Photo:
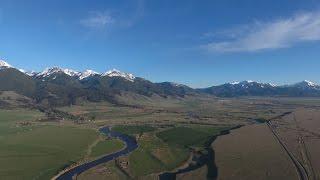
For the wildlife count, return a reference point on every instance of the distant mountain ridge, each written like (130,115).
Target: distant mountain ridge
(57,86)
(252,88)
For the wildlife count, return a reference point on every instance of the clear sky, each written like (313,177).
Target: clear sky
(195,42)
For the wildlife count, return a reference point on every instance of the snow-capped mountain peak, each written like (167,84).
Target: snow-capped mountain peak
(250,83)
(272,85)
(71,72)
(30,73)
(234,83)
(117,73)
(247,83)
(306,84)
(242,82)
(309,83)
(49,71)
(4,64)
(87,73)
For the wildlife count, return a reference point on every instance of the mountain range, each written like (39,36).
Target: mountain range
(251,88)
(57,86)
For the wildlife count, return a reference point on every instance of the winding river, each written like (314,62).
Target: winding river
(131,145)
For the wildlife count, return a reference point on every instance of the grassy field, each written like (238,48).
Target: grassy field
(106,146)
(132,130)
(102,172)
(168,149)
(142,163)
(192,136)
(10,119)
(32,151)
(103,111)
(153,155)
(203,110)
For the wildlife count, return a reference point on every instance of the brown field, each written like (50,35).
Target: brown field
(252,152)
(300,132)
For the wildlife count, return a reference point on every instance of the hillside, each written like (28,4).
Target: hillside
(57,86)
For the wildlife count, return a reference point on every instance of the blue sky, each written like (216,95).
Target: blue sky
(198,43)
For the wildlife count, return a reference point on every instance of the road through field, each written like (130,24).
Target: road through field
(131,145)
(303,175)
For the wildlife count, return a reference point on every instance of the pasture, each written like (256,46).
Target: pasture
(33,151)
(106,147)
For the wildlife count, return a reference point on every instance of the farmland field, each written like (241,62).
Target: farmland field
(132,130)
(153,155)
(252,152)
(47,151)
(165,134)
(168,149)
(194,136)
(300,133)
(104,171)
(38,151)
(106,146)
(165,144)
(160,149)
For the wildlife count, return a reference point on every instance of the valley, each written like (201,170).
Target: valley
(63,124)
(162,129)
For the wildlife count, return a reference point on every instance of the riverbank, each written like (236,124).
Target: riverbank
(131,145)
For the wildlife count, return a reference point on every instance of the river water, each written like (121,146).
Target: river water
(131,145)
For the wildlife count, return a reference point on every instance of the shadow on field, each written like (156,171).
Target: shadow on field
(200,159)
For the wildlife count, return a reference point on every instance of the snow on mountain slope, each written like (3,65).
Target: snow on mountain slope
(71,72)
(306,85)
(49,71)
(82,75)
(117,73)
(309,83)
(250,83)
(88,73)
(4,64)
(30,73)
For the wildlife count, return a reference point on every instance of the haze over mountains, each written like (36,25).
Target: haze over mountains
(58,86)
